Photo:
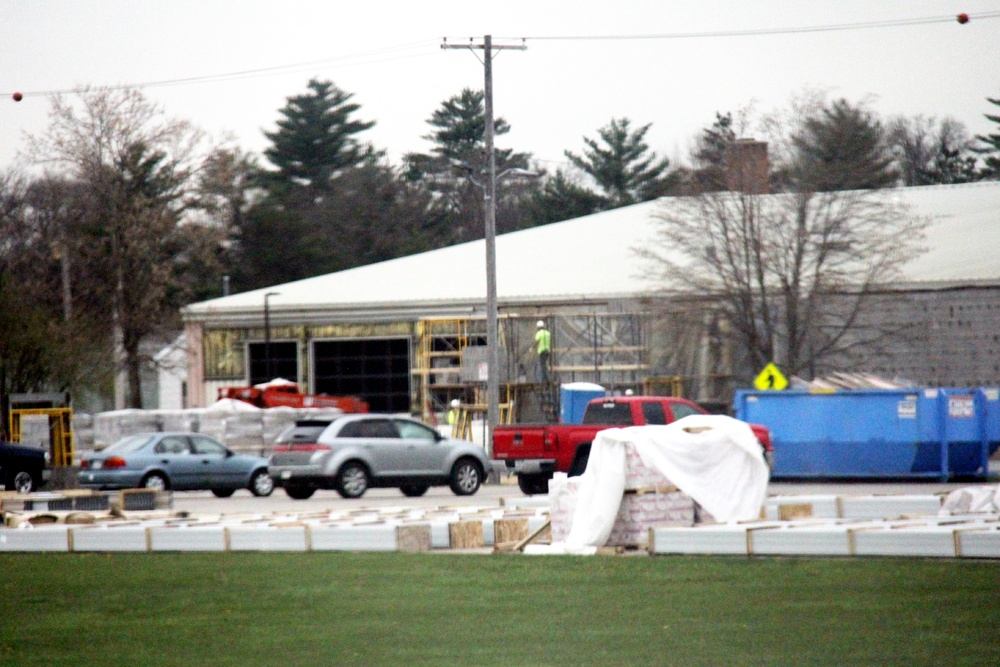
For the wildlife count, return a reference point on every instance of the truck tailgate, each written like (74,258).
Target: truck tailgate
(520,442)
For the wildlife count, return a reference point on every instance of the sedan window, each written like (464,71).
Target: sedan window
(130,444)
(414,431)
(172,445)
(203,445)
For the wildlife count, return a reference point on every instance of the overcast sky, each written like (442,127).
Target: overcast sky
(553,93)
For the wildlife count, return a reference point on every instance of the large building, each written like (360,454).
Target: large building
(409,334)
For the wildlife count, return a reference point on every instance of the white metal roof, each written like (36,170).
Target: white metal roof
(592,258)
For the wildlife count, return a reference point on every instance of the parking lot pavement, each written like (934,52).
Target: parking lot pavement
(494,495)
(242,502)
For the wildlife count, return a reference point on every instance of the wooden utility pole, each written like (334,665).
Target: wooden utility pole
(490,210)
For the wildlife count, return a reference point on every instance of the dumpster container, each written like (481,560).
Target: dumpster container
(878,433)
(573,399)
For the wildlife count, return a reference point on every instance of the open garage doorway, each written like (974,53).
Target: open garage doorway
(273,360)
(374,369)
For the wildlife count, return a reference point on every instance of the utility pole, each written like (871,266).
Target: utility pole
(492,316)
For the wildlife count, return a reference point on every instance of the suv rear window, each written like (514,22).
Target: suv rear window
(611,413)
(303,431)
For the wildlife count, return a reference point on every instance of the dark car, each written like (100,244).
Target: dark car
(177,461)
(358,451)
(22,468)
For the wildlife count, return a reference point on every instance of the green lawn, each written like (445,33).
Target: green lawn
(442,609)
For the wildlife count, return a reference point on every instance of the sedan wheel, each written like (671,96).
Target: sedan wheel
(352,480)
(465,478)
(23,482)
(154,481)
(261,484)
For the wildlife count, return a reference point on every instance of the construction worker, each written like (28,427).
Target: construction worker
(543,346)
(453,412)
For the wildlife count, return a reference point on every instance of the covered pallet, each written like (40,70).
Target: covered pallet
(643,476)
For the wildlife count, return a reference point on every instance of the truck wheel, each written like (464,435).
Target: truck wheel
(531,485)
(465,477)
(580,461)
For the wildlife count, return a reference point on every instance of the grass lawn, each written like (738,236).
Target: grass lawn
(441,609)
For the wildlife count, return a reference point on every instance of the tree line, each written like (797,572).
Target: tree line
(136,214)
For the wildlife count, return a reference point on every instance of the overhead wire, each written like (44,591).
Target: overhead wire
(387,54)
(755,32)
(399,51)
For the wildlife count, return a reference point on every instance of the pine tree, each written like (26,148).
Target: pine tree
(315,140)
(457,162)
(991,170)
(841,147)
(622,165)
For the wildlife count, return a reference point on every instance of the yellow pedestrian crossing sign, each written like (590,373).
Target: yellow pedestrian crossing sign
(770,378)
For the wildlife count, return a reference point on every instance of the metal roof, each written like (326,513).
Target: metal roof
(591,259)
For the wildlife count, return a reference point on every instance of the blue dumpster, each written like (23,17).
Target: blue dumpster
(872,433)
(573,399)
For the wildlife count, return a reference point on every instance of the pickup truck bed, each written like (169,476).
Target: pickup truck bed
(536,451)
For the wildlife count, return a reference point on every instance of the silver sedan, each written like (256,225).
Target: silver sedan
(177,461)
(359,451)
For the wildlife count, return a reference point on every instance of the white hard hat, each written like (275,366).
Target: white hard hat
(455,403)
(540,324)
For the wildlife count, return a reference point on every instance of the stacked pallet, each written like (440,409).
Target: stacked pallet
(929,537)
(385,529)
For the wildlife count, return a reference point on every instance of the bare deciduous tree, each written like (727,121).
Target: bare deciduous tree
(793,272)
(136,166)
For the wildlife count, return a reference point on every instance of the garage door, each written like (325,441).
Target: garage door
(375,369)
(284,362)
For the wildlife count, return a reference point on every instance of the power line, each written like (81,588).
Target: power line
(400,51)
(770,31)
(387,54)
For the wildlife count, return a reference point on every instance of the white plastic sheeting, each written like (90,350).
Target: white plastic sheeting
(972,499)
(715,459)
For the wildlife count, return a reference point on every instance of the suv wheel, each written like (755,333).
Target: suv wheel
(300,491)
(352,480)
(465,477)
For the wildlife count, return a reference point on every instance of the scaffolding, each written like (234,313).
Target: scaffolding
(440,343)
(60,431)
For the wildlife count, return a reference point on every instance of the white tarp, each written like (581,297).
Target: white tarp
(972,500)
(715,459)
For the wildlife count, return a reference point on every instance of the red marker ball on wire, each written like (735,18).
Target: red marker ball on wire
(962,18)
(17,97)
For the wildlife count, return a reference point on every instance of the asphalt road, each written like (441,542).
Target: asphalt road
(493,495)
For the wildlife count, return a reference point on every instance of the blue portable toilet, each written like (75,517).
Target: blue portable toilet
(573,399)
(915,432)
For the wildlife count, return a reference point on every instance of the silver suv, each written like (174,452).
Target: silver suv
(359,451)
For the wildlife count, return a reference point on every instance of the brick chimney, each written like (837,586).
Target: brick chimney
(747,166)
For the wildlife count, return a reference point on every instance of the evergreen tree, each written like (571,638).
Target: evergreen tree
(841,147)
(315,140)
(456,168)
(710,154)
(622,165)
(991,169)
(929,152)
(561,199)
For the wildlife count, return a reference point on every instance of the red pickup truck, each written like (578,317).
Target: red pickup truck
(536,451)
